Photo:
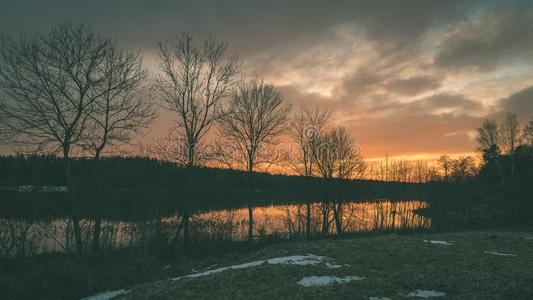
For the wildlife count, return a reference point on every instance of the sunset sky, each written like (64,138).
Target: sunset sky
(407,78)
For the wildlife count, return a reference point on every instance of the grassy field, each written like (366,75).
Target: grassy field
(392,265)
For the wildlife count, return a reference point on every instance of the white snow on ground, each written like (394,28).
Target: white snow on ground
(379,298)
(107,295)
(333,266)
(41,189)
(326,280)
(528,237)
(445,243)
(426,294)
(300,260)
(499,253)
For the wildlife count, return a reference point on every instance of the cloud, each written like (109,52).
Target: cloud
(401,134)
(497,37)
(413,85)
(520,103)
(390,71)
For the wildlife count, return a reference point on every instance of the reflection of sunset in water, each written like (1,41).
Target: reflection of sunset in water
(282,221)
(290,220)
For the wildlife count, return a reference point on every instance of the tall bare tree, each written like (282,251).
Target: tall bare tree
(510,137)
(490,143)
(306,127)
(510,133)
(337,158)
(256,116)
(445,165)
(195,79)
(488,136)
(125,106)
(527,133)
(463,168)
(52,82)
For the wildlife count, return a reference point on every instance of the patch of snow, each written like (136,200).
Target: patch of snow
(379,298)
(300,260)
(528,237)
(166,267)
(326,280)
(499,253)
(445,243)
(41,189)
(333,266)
(426,294)
(214,271)
(107,295)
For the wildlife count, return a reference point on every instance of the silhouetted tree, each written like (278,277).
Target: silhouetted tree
(510,133)
(445,165)
(256,116)
(53,82)
(337,158)
(489,144)
(125,106)
(463,168)
(527,133)
(306,127)
(510,137)
(195,79)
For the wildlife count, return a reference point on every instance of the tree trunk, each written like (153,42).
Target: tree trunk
(73,202)
(186,230)
(96,233)
(337,215)
(250,223)
(308,220)
(325,219)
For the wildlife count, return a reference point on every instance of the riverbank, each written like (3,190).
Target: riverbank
(464,265)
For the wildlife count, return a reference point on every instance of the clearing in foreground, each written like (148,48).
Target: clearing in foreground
(466,265)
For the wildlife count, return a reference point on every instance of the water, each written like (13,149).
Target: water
(280,221)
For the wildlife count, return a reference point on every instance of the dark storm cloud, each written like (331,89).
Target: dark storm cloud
(498,37)
(520,103)
(250,26)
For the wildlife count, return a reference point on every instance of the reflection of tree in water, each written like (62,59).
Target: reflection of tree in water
(278,221)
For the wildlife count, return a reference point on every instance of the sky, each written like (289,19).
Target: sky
(412,79)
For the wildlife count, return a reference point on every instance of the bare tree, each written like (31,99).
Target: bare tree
(489,144)
(527,133)
(463,168)
(510,133)
(195,79)
(337,158)
(488,139)
(306,127)
(257,115)
(52,82)
(510,137)
(125,106)
(445,165)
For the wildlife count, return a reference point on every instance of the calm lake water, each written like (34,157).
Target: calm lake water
(280,221)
